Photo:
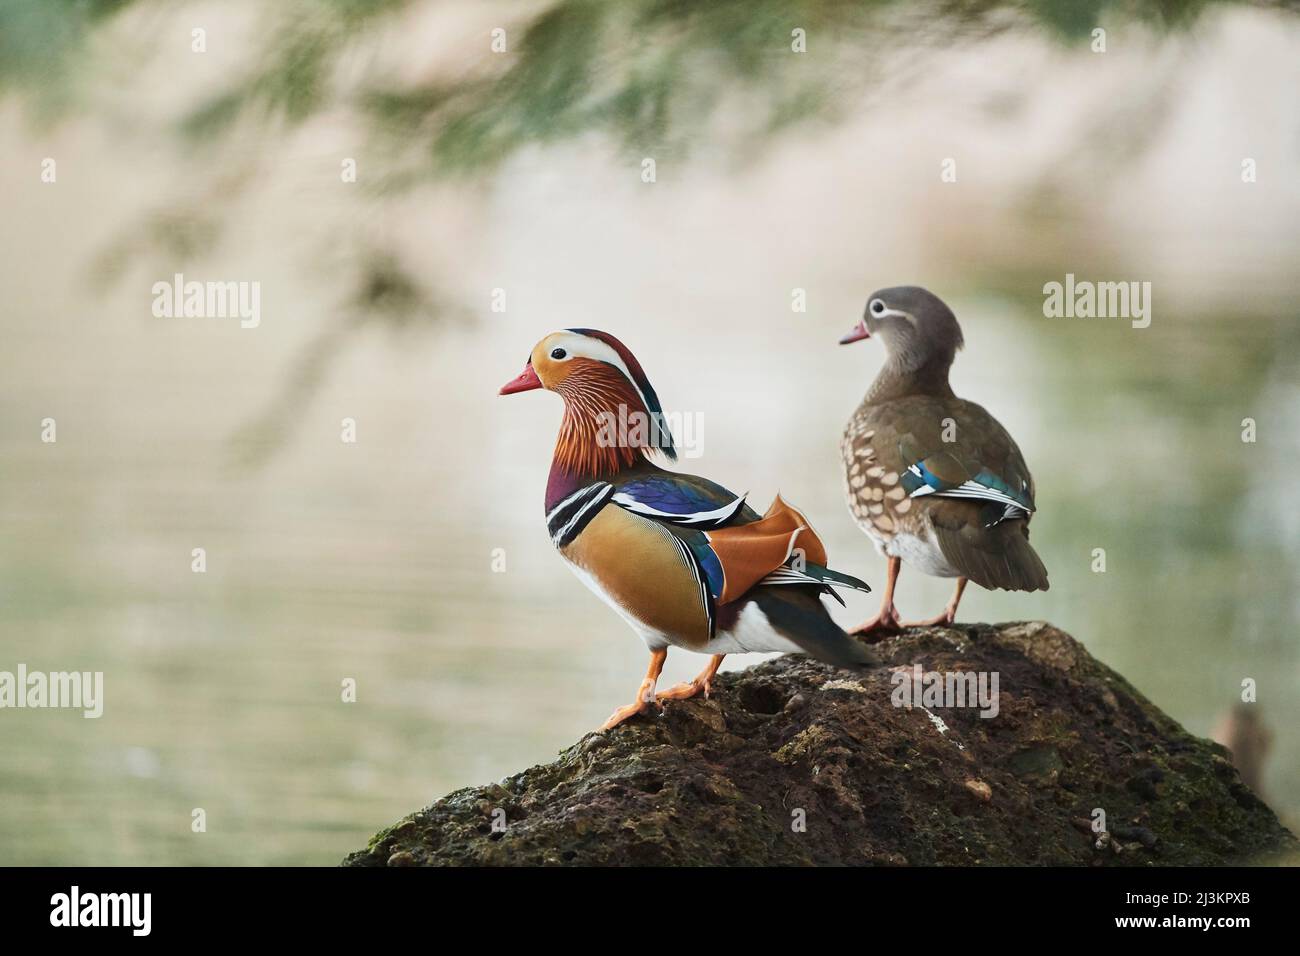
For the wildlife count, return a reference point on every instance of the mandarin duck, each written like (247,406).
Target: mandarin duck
(932,479)
(685,562)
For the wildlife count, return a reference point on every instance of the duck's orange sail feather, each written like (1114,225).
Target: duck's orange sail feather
(750,552)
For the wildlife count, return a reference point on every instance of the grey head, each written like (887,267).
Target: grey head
(917,329)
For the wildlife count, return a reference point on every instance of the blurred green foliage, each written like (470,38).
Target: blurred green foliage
(38,39)
(641,71)
(647,73)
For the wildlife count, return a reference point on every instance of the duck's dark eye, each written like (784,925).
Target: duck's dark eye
(558,353)
(877,307)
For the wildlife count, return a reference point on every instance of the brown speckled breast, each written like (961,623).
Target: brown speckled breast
(875,497)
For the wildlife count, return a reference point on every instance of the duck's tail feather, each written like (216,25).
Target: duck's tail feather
(797,615)
(819,576)
(999,557)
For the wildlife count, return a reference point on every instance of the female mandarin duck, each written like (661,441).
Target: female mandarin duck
(684,561)
(934,480)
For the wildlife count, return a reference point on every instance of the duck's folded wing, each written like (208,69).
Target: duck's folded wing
(993,555)
(682,500)
(734,550)
(992,472)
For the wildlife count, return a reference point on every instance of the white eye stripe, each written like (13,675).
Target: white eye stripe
(880,310)
(898,312)
(576,344)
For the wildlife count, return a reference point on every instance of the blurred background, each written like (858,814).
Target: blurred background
(520,170)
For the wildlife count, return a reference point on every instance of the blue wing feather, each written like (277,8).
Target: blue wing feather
(673,497)
(682,500)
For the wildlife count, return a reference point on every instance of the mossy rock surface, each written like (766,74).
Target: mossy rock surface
(794,762)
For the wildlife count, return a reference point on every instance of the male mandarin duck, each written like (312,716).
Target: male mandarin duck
(682,560)
(934,480)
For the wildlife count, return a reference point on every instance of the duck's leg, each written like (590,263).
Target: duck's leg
(887,619)
(645,694)
(701,684)
(949,613)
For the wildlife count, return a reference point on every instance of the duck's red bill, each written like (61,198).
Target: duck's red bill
(856,334)
(525,381)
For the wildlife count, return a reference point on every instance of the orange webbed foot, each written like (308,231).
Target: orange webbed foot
(624,714)
(645,695)
(886,622)
(686,691)
(703,684)
(940,620)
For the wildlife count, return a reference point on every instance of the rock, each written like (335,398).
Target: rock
(1040,764)
(1140,834)
(844,776)
(980,789)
